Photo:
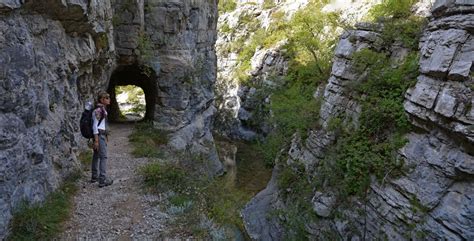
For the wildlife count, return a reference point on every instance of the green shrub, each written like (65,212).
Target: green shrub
(146,140)
(310,51)
(407,30)
(297,190)
(267,4)
(371,150)
(225,28)
(86,159)
(392,9)
(164,176)
(43,221)
(226,6)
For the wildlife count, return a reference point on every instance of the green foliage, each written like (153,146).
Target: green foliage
(392,9)
(163,176)
(215,199)
(146,140)
(294,108)
(371,149)
(226,6)
(116,20)
(135,97)
(384,90)
(225,28)
(86,159)
(44,221)
(297,190)
(407,30)
(313,36)
(267,4)
(101,42)
(310,50)
(224,202)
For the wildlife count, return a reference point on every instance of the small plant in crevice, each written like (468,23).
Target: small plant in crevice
(85,158)
(43,221)
(145,47)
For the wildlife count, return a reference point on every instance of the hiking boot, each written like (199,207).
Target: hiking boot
(105,183)
(94,180)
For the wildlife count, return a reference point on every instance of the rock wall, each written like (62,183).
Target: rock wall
(238,103)
(49,58)
(183,34)
(55,55)
(433,199)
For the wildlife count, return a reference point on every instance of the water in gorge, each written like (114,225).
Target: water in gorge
(246,172)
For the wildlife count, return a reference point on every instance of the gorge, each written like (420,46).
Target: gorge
(367,122)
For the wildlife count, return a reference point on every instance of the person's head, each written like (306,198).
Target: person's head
(103,98)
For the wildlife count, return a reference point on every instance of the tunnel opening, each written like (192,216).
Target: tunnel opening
(136,82)
(131,102)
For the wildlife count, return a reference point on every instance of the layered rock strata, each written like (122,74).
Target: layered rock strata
(433,199)
(49,58)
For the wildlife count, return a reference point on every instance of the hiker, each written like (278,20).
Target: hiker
(99,159)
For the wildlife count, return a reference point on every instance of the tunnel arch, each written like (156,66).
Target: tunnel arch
(137,75)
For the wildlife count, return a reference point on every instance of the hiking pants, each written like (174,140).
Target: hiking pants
(99,159)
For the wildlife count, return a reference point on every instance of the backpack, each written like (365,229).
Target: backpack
(86,123)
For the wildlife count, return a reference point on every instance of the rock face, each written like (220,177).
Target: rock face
(239,104)
(56,55)
(433,199)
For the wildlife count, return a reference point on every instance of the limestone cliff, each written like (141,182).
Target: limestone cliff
(433,198)
(239,101)
(56,55)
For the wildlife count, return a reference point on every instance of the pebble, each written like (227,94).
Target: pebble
(122,208)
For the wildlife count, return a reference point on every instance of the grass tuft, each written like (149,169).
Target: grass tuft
(44,221)
(146,141)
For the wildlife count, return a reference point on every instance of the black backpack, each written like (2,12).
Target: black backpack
(86,123)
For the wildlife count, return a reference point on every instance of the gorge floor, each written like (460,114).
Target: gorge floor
(121,211)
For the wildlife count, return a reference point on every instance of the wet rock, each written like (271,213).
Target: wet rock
(258,224)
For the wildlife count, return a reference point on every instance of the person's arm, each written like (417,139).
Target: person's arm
(95,130)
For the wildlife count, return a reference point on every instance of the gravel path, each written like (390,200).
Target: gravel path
(120,211)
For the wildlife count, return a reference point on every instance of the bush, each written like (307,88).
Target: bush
(267,4)
(371,150)
(146,140)
(164,176)
(392,9)
(226,6)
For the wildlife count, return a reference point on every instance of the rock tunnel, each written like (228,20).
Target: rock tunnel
(137,75)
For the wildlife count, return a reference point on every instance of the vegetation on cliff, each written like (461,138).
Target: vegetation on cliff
(362,151)
(44,221)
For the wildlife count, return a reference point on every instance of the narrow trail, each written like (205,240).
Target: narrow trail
(120,211)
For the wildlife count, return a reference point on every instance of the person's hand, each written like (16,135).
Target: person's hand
(96,145)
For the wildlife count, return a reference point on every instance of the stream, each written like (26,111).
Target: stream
(246,171)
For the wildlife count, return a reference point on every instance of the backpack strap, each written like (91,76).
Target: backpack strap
(102,115)
(100,121)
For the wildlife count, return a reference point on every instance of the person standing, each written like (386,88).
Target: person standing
(99,129)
